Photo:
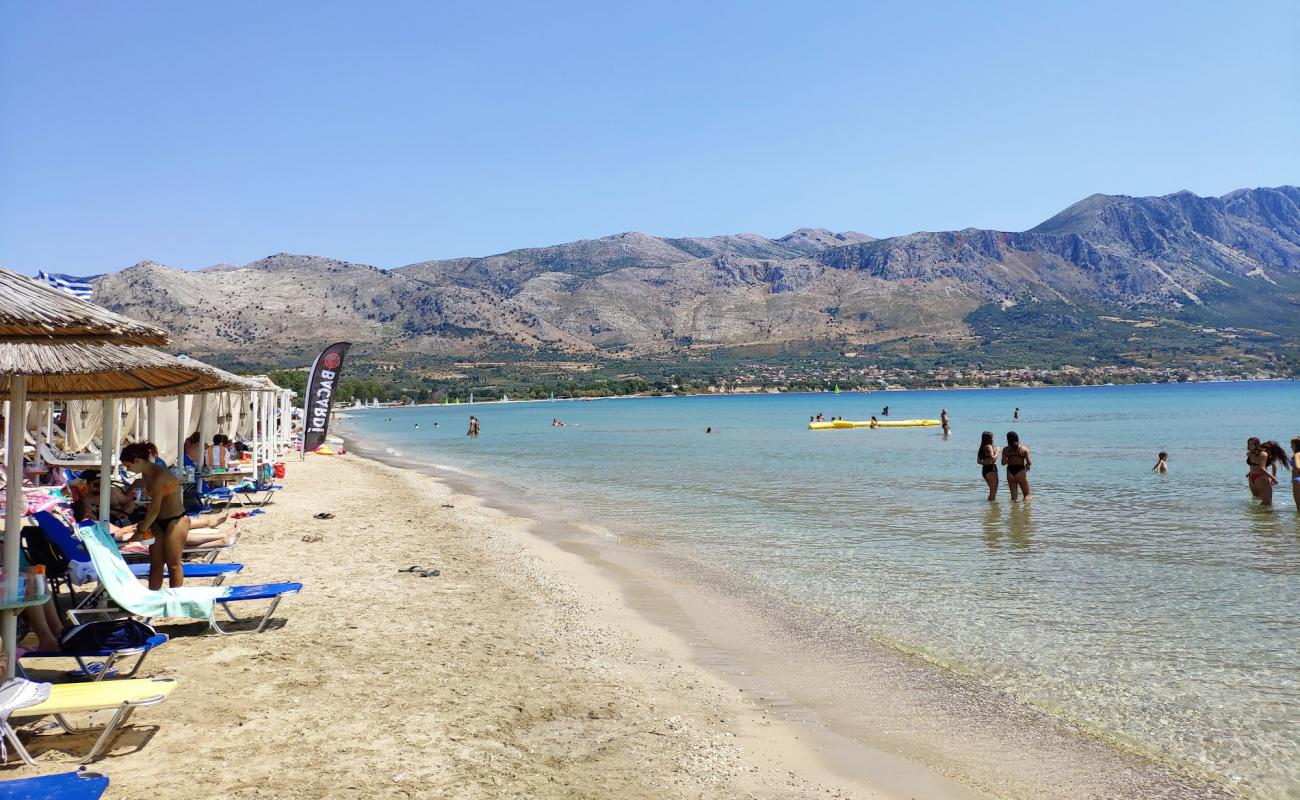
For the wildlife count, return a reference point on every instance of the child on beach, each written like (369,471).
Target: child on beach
(1162,463)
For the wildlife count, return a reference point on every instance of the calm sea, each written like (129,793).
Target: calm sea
(1163,609)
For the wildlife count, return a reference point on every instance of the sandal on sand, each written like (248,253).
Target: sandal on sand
(415,568)
(92,669)
(429,573)
(324,515)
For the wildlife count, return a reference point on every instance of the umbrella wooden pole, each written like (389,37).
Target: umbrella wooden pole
(107,444)
(15,510)
(152,429)
(201,467)
(256,442)
(181,433)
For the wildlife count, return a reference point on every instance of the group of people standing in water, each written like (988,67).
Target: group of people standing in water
(1014,456)
(1263,459)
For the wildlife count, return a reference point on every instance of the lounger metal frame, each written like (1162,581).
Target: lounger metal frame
(84,661)
(124,712)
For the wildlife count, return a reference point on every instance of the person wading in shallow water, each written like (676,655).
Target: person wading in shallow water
(473,426)
(1015,457)
(987,458)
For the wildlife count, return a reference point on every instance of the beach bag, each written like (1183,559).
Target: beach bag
(105,634)
(190,498)
(40,550)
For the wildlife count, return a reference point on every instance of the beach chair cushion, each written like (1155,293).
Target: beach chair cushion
(65,786)
(156,640)
(73,698)
(261,591)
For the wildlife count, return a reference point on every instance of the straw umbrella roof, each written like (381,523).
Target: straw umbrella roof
(33,311)
(71,370)
(230,381)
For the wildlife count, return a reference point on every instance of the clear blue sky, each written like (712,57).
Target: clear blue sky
(392,132)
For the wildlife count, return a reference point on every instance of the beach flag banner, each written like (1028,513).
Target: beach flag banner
(79,288)
(319,401)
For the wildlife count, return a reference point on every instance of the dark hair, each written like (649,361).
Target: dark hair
(219,439)
(89,475)
(1254,439)
(1013,440)
(1163,454)
(193,438)
(138,451)
(986,440)
(1274,452)
(1295,443)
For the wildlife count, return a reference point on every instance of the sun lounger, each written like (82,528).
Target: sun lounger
(74,698)
(50,455)
(62,537)
(80,785)
(194,602)
(99,670)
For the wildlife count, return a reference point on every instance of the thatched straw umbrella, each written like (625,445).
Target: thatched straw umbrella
(33,311)
(55,346)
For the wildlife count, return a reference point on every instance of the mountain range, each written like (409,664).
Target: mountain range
(1182,262)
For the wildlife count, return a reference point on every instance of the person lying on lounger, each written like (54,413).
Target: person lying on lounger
(204,530)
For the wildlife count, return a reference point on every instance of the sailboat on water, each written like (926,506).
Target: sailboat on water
(471,398)
(505,398)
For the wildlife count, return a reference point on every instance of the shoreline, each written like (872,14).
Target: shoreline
(806,685)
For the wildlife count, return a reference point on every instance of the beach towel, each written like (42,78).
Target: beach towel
(19,693)
(194,602)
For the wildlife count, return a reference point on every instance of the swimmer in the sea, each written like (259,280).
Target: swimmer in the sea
(1295,472)
(1015,457)
(987,458)
(1162,463)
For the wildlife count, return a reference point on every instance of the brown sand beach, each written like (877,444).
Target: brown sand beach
(523,670)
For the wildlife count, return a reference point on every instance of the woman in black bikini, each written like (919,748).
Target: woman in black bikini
(165,519)
(987,458)
(1015,457)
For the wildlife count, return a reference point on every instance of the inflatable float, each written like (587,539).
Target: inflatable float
(884,423)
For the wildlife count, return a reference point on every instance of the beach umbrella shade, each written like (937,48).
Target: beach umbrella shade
(55,346)
(31,310)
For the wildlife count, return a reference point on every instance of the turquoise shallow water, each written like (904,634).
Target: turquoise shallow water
(1160,609)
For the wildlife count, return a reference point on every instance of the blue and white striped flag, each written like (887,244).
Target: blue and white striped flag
(77,287)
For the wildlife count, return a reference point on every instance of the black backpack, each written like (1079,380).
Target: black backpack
(105,634)
(40,550)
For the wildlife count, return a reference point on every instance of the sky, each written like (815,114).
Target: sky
(393,132)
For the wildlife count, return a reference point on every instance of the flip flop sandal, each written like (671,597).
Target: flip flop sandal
(324,515)
(416,568)
(430,573)
(92,669)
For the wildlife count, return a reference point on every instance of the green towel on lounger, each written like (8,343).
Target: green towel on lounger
(195,602)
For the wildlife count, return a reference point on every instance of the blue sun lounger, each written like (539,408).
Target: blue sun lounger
(195,602)
(98,670)
(79,785)
(64,539)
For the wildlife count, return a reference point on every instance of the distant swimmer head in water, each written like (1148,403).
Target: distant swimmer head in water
(708,430)
(1016,414)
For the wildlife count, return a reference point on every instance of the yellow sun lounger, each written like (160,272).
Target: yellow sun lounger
(73,698)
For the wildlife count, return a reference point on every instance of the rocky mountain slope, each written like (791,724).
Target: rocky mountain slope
(1233,259)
